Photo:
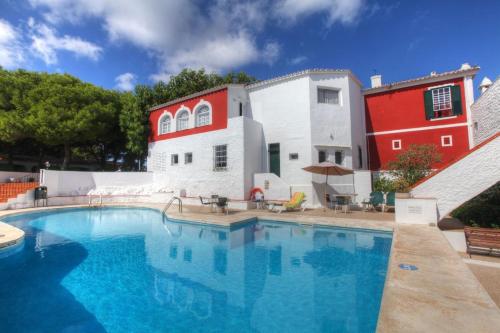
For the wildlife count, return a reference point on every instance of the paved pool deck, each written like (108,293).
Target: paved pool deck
(442,295)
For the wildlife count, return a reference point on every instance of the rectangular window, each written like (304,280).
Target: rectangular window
(188,158)
(293,156)
(321,156)
(160,161)
(220,157)
(396,144)
(446,141)
(360,157)
(241,109)
(174,159)
(339,157)
(441,99)
(328,96)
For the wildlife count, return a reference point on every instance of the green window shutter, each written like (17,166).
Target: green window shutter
(429,110)
(456,100)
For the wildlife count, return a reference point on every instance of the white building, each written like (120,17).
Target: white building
(228,139)
(486,111)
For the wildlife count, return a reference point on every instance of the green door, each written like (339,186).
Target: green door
(274,158)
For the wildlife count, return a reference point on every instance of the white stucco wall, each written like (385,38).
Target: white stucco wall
(464,179)
(199,177)
(486,113)
(71,183)
(291,116)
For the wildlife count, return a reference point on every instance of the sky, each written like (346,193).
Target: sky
(120,43)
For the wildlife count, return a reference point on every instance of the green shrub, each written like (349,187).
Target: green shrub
(384,184)
(481,211)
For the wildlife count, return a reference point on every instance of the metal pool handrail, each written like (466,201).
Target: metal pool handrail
(169,203)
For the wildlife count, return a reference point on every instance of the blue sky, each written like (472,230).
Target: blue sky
(118,43)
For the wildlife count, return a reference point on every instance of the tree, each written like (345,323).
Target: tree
(65,111)
(412,165)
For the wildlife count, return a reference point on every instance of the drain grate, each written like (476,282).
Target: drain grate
(408,267)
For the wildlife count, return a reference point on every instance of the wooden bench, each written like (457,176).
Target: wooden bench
(482,240)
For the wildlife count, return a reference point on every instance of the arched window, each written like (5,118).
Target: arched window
(183,120)
(202,116)
(165,124)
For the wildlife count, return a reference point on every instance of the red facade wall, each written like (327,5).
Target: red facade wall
(403,109)
(217,99)
(381,152)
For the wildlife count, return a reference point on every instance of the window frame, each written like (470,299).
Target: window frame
(341,157)
(164,115)
(178,116)
(399,145)
(190,154)
(174,157)
(318,94)
(201,105)
(218,163)
(444,137)
(320,152)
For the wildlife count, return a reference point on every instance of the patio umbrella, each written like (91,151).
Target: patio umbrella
(328,169)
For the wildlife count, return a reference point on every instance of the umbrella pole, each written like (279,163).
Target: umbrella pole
(324,194)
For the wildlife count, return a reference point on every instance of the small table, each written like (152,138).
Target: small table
(348,200)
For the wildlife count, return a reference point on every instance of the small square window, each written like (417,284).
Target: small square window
(446,141)
(328,96)
(396,144)
(174,159)
(188,158)
(293,156)
(339,157)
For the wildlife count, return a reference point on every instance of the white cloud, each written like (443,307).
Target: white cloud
(11,52)
(342,11)
(271,52)
(125,81)
(45,43)
(297,60)
(220,35)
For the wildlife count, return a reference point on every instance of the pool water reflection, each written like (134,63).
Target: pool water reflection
(129,270)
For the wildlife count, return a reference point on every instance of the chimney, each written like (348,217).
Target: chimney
(376,81)
(465,66)
(485,84)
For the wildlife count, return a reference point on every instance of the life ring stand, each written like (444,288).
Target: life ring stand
(254,191)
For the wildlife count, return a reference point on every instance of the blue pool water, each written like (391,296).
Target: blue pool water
(127,270)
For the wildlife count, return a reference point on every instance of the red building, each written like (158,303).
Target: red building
(433,109)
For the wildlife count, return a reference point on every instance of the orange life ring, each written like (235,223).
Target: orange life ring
(253,191)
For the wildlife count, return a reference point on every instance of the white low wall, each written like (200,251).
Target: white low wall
(73,183)
(273,186)
(464,179)
(416,211)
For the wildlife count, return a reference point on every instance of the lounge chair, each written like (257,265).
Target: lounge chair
(390,201)
(222,203)
(482,240)
(295,203)
(376,200)
(207,202)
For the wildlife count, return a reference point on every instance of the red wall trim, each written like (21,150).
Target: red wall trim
(217,99)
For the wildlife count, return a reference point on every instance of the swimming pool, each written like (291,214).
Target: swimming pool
(129,270)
